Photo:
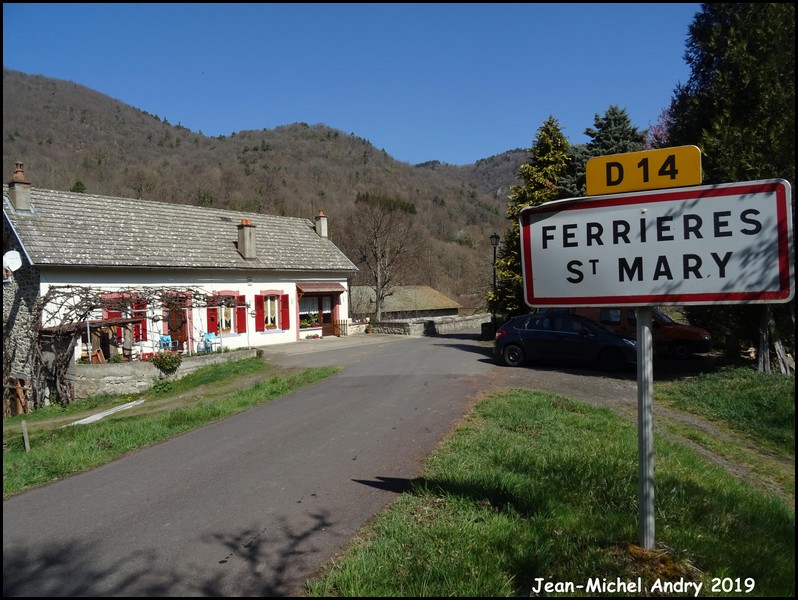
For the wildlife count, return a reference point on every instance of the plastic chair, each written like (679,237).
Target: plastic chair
(167,343)
(209,339)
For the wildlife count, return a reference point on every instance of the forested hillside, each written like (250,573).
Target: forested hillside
(72,138)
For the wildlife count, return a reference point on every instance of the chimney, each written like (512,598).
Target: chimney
(19,189)
(321,224)
(246,239)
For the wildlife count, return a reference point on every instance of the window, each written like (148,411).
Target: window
(119,306)
(309,312)
(610,316)
(227,314)
(225,319)
(314,311)
(139,309)
(567,325)
(271,311)
(539,323)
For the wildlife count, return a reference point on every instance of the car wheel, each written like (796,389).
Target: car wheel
(513,356)
(612,360)
(681,350)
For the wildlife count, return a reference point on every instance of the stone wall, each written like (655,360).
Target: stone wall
(19,296)
(135,377)
(432,325)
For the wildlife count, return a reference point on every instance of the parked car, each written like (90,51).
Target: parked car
(562,338)
(669,337)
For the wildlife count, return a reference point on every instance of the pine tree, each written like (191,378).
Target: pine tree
(738,106)
(613,134)
(540,183)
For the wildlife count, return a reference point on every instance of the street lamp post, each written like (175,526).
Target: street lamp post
(494,241)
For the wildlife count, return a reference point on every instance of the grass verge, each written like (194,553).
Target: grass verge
(57,451)
(535,489)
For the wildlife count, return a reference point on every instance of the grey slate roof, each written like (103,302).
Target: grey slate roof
(72,229)
(404,298)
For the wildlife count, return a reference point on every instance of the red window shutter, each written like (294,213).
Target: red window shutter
(115,314)
(213,317)
(285,320)
(140,329)
(260,319)
(241,314)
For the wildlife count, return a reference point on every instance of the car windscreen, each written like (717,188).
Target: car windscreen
(596,326)
(657,315)
(666,320)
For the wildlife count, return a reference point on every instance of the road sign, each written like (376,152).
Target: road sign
(647,170)
(718,244)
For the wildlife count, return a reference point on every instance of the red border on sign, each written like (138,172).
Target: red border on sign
(784,294)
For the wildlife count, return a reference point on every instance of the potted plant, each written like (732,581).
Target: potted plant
(369,328)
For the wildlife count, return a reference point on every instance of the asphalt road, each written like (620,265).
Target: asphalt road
(255,504)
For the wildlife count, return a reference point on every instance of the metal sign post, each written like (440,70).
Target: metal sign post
(645,427)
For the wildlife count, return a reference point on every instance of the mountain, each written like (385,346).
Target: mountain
(71,137)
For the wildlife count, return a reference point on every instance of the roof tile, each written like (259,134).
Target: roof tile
(73,229)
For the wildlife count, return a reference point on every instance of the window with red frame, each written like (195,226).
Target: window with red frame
(271,312)
(119,306)
(227,314)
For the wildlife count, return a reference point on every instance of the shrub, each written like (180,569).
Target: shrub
(167,362)
(162,387)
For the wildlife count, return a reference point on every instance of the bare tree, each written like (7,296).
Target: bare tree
(382,239)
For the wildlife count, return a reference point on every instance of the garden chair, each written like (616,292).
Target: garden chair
(167,345)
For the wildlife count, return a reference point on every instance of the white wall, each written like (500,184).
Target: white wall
(243,283)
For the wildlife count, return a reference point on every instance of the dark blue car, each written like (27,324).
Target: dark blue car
(564,339)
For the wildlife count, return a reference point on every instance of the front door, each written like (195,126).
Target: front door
(178,328)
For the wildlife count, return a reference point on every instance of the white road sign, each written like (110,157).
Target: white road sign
(714,244)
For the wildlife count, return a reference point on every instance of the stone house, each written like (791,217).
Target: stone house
(266,279)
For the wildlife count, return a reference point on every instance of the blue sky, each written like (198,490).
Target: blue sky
(448,82)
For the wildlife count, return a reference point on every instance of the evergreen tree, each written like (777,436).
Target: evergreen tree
(738,106)
(540,183)
(613,134)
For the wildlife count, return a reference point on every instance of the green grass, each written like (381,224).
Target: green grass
(217,375)
(762,407)
(533,487)
(57,452)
